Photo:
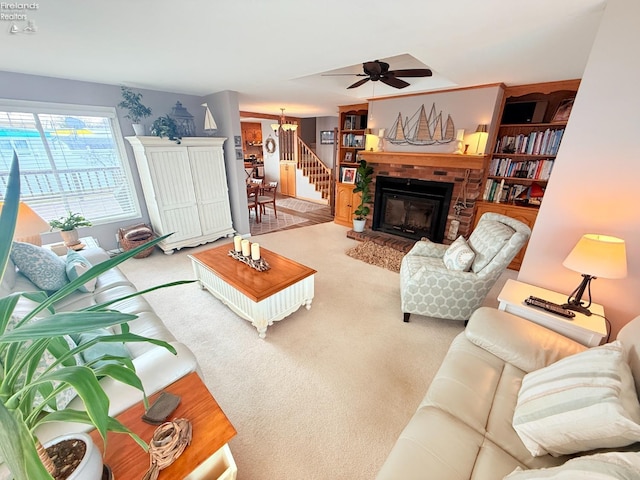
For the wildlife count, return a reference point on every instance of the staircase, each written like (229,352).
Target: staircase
(313,169)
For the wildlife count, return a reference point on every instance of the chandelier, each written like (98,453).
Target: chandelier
(283,124)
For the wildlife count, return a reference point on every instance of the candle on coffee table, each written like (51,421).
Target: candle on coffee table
(246,248)
(237,243)
(255,251)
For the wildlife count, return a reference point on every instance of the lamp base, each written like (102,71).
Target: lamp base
(577,308)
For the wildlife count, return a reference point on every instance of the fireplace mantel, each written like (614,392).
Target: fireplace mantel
(443,160)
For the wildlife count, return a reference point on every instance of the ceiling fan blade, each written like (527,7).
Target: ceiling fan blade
(394,82)
(344,75)
(412,72)
(360,82)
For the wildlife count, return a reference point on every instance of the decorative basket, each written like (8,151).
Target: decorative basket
(134,236)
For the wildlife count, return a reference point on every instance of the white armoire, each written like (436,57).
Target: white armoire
(185,189)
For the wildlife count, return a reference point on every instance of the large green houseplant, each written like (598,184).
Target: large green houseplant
(132,102)
(364,176)
(42,329)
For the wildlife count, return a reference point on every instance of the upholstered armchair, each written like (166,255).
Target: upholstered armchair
(451,281)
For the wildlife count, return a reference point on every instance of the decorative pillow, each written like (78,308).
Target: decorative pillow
(602,466)
(458,256)
(76,265)
(487,240)
(582,402)
(100,349)
(40,265)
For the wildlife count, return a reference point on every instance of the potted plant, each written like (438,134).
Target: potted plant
(68,225)
(27,393)
(364,176)
(131,101)
(166,126)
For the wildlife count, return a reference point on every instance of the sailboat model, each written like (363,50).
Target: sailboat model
(424,131)
(396,132)
(210,126)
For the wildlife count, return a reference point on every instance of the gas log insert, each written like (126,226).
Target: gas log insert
(411,208)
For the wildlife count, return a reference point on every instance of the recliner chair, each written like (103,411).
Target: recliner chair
(428,287)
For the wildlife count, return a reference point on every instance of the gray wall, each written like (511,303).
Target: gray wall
(46,89)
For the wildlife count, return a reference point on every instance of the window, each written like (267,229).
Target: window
(71,159)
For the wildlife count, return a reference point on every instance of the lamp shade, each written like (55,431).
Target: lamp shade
(482,128)
(599,256)
(29,225)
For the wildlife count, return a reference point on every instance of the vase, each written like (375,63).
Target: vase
(90,467)
(358,225)
(138,129)
(70,237)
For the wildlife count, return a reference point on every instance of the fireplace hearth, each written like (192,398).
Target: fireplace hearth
(411,208)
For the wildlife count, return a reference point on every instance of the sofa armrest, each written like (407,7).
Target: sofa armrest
(157,368)
(95,255)
(427,248)
(518,341)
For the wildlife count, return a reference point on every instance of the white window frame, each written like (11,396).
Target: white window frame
(37,107)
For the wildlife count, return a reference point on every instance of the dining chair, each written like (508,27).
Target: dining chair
(253,192)
(268,196)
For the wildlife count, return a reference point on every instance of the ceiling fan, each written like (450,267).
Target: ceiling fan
(378,70)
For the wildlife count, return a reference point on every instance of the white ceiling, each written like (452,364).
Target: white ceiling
(274,52)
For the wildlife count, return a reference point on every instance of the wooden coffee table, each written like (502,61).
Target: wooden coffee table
(208,455)
(260,297)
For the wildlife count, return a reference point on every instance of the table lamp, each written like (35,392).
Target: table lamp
(599,256)
(29,225)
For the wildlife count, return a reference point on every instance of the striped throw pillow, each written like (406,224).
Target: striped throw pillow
(602,466)
(582,402)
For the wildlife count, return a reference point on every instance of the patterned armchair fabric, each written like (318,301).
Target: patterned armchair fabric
(428,288)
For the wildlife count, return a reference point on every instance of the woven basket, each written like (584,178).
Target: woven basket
(128,244)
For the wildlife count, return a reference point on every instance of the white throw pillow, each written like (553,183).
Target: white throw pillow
(458,256)
(40,265)
(582,402)
(602,466)
(76,265)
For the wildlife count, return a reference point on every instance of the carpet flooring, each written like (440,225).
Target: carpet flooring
(299,205)
(269,222)
(327,392)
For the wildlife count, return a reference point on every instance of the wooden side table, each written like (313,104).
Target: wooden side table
(208,456)
(587,330)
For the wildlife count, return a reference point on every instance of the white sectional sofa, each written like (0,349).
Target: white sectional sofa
(463,429)
(156,366)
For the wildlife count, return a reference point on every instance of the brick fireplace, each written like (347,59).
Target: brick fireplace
(463,171)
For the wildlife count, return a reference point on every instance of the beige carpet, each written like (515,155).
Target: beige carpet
(326,394)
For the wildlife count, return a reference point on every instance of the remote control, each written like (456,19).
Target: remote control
(549,306)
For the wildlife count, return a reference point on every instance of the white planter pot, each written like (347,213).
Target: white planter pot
(70,237)
(138,129)
(90,468)
(358,225)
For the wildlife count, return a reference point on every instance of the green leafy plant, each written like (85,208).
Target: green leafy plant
(42,329)
(131,101)
(364,176)
(165,126)
(70,222)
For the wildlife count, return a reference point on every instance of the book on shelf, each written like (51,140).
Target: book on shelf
(498,191)
(540,142)
(352,140)
(539,169)
(355,122)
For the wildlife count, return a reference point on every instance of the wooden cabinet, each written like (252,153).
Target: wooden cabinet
(252,140)
(185,189)
(288,178)
(346,203)
(526,215)
(352,123)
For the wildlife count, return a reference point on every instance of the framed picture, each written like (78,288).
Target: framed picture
(348,156)
(237,140)
(349,175)
(239,155)
(563,111)
(326,137)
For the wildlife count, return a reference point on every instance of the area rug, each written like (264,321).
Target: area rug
(298,205)
(270,223)
(378,255)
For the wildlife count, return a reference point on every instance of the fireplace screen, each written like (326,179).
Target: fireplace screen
(411,208)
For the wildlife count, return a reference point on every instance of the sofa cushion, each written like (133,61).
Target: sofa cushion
(76,265)
(582,402)
(458,256)
(602,466)
(40,265)
(487,240)
(100,349)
